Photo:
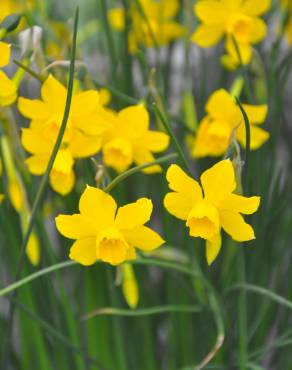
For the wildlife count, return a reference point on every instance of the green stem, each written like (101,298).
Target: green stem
(242,315)
(115,311)
(170,132)
(247,143)
(43,184)
(57,335)
(136,169)
(37,76)
(35,275)
(243,69)
(109,39)
(242,302)
(263,291)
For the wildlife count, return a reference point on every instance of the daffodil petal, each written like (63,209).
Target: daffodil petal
(143,238)
(82,146)
(37,164)
(33,109)
(208,35)
(76,226)
(169,9)
(63,162)
(178,205)
(210,11)
(256,7)
(83,251)
(98,205)
(218,181)
(258,136)
(153,141)
(116,18)
(134,214)
(256,113)
(62,183)
(54,95)
(221,106)
(134,120)
(8,90)
(180,182)
(234,225)
(84,103)
(142,156)
(259,30)
(241,204)
(231,5)
(4,54)
(213,248)
(34,142)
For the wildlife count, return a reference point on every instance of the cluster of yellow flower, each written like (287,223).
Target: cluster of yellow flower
(101,231)
(123,137)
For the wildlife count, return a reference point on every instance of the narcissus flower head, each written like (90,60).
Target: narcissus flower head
(104,232)
(211,206)
(8,89)
(86,113)
(130,140)
(231,18)
(225,119)
(287,5)
(88,120)
(160,28)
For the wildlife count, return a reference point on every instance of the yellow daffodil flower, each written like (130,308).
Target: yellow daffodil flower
(8,89)
(83,136)
(8,7)
(86,113)
(223,120)
(130,140)
(211,206)
(130,285)
(105,233)
(237,18)
(287,5)
(159,29)
(40,140)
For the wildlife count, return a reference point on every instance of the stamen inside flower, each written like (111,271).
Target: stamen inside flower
(118,154)
(240,26)
(203,221)
(111,247)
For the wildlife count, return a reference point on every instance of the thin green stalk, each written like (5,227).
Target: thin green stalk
(115,311)
(170,132)
(263,291)
(152,262)
(136,169)
(127,56)
(247,143)
(242,302)
(43,185)
(242,315)
(119,338)
(57,335)
(35,275)
(243,69)
(119,94)
(144,16)
(109,39)
(37,76)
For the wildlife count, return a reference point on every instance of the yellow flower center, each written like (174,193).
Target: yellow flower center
(239,25)
(219,134)
(118,154)
(203,221)
(111,247)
